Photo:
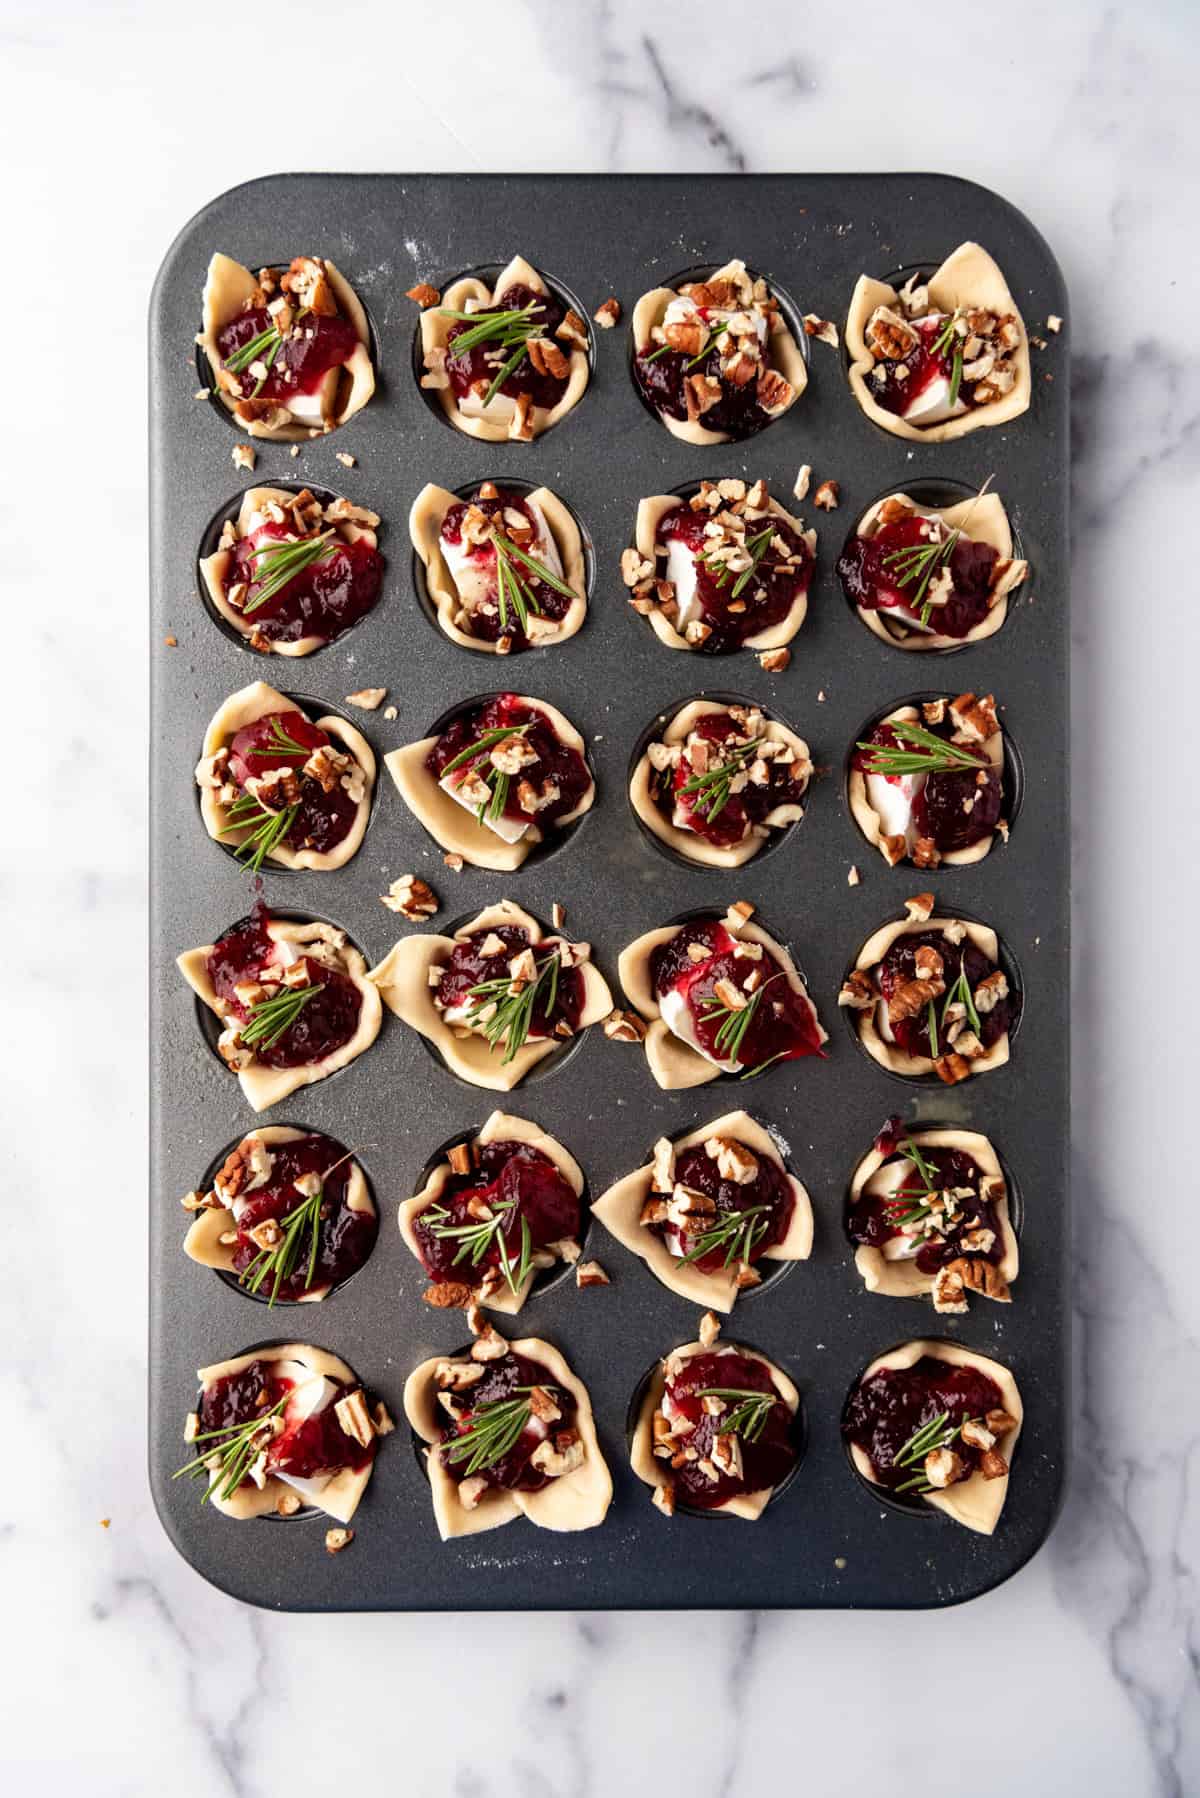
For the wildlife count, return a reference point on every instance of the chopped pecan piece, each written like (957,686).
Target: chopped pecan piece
(448,1295)
(624,1027)
(336,1540)
(826,496)
(857,991)
(423,294)
(774,661)
(590,1273)
(774,394)
(950,1069)
(607,313)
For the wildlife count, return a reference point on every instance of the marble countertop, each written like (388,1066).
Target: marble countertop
(122,1672)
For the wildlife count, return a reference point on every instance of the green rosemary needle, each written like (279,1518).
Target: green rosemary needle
(272,1018)
(235,1448)
(491,1431)
(503,1016)
(960,994)
(757,547)
(749,1417)
(738,1233)
(476,1238)
(267,342)
(714,784)
(925,1440)
(277,563)
(735,1020)
(265,829)
(919,751)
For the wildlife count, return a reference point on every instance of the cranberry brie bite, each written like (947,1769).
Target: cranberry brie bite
(936,1422)
(927,783)
(507,361)
(726,569)
(497,997)
(283,1429)
(294,1000)
(928,1212)
(719,996)
(708,1208)
(716,1430)
(505,771)
(931,577)
(715,358)
(928,997)
(293,572)
(289,348)
(288,1212)
(944,355)
(502,1207)
(510,1434)
(277,786)
(718,781)
(503,569)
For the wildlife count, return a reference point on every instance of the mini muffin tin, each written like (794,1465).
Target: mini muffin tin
(826,1539)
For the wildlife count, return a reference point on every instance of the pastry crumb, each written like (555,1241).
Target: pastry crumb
(244,455)
(346,459)
(558,915)
(801,483)
(853,877)
(821,697)
(839,1562)
(367,699)
(201,393)
(1054,323)
(336,1540)
(710,1329)
(391,712)
(295,450)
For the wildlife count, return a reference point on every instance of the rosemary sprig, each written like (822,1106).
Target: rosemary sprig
(475,1239)
(509,577)
(236,1447)
(304,1222)
(919,751)
(757,547)
(503,1016)
(925,1441)
(956,376)
(506,323)
(490,1432)
(508,368)
(749,1417)
(266,829)
(933,1031)
(738,1232)
(272,1018)
(714,784)
(908,1206)
(920,562)
(735,1020)
(960,994)
(267,341)
(488,740)
(277,563)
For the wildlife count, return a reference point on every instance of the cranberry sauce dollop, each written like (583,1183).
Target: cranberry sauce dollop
(870,577)
(873,1220)
(517,1183)
(285,740)
(322,600)
(303,359)
(478,367)
(924,363)
(768,595)
(697,1170)
(467,967)
(345,1238)
(782,1026)
(660,373)
(899,965)
(246,953)
(557,764)
(882,1413)
(486,618)
(502,1380)
(766,1461)
(316,1445)
(738,816)
(954,808)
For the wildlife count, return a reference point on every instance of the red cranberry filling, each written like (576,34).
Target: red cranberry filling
(768,595)
(873,582)
(556,773)
(286,740)
(315,1446)
(509,1379)
(301,359)
(877,1218)
(925,363)
(345,1237)
(768,1455)
(326,1022)
(521,1187)
(478,366)
(322,600)
(768,1198)
(724,817)
(466,968)
(899,966)
(883,1413)
(490,620)
(780,1025)
(957,807)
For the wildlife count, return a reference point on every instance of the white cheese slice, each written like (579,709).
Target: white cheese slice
(315,407)
(681,572)
(499,409)
(677,1015)
(885,1184)
(475,575)
(931,406)
(893,801)
(308,1489)
(510,829)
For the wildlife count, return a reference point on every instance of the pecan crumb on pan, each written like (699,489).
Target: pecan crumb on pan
(367,699)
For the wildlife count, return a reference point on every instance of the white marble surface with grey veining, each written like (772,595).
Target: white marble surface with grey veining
(121,1672)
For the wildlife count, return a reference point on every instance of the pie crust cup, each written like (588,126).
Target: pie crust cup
(264,1086)
(888,1055)
(258,700)
(784,356)
(974,1502)
(203,1243)
(227,288)
(650,514)
(674,1065)
(868,820)
(968,277)
(574,1501)
(402,977)
(904,1279)
(619,1210)
(214,569)
(425,521)
(989,523)
(435,333)
(688,843)
(455,829)
(749,1506)
(500,1127)
(340,1498)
